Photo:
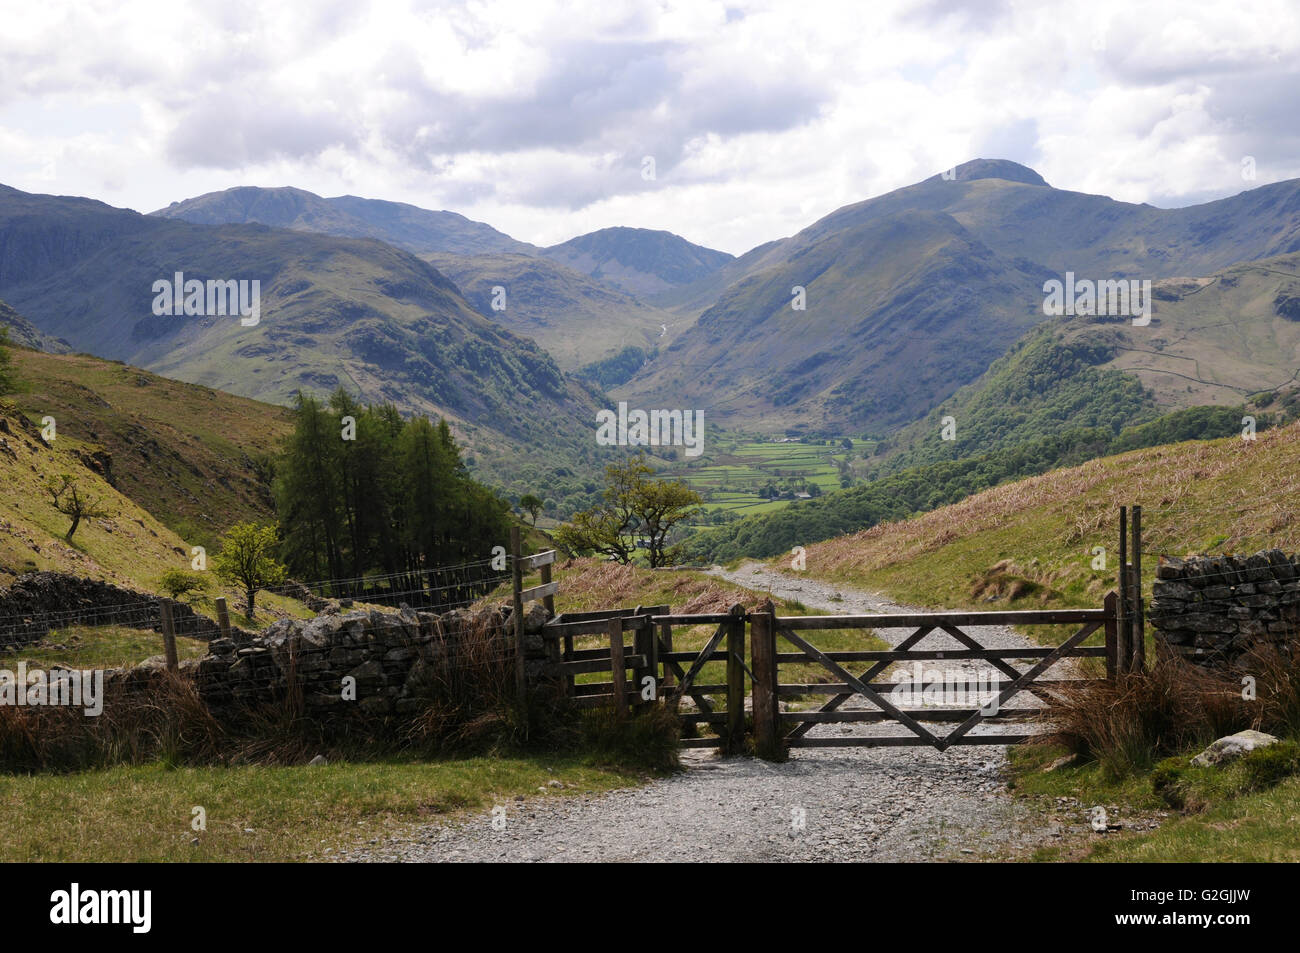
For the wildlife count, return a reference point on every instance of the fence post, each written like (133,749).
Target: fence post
(1137,643)
(643,645)
(618,675)
(223,617)
(1111,629)
(762,637)
(168,634)
(1122,630)
(521,676)
(736,680)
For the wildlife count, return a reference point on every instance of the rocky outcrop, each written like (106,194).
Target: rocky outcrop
(1214,609)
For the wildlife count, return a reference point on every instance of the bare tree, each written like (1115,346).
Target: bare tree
(72,502)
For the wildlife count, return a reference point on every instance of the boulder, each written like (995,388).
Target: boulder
(1232,747)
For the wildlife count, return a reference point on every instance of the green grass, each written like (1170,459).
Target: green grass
(1231,815)
(143,814)
(736,467)
(85,647)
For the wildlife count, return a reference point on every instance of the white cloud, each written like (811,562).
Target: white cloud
(534,115)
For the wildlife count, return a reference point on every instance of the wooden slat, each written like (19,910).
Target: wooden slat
(714,618)
(555,630)
(538,560)
(538,592)
(600,664)
(691,656)
(715,718)
(920,714)
(1092,651)
(905,620)
(838,688)
(905,742)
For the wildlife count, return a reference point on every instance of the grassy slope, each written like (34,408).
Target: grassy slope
(1228,495)
(129,547)
(184,452)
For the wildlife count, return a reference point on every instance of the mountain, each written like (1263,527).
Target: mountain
(884,289)
(577,319)
(415,229)
(25,334)
(639,261)
(348,312)
(899,312)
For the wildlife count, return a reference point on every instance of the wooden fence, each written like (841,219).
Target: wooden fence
(662,675)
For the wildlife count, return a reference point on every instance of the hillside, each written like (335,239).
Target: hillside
(128,547)
(575,318)
(1036,536)
(1226,339)
(1025,230)
(899,313)
(638,261)
(197,459)
(25,334)
(415,229)
(347,312)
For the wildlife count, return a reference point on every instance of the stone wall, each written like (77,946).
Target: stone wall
(398,660)
(1212,609)
(40,601)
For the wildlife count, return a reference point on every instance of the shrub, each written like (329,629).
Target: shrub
(1267,766)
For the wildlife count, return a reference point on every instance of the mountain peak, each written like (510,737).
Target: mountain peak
(995,169)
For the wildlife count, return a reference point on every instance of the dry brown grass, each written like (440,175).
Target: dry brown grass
(1227,495)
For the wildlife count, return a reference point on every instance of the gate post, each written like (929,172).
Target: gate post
(1112,628)
(762,635)
(736,680)
(1137,642)
(617,669)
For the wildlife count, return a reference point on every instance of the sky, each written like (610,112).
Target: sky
(731,124)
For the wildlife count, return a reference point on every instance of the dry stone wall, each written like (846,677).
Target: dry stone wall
(396,662)
(40,601)
(1214,609)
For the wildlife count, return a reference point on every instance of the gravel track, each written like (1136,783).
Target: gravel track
(824,804)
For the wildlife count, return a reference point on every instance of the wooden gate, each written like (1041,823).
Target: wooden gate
(776,730)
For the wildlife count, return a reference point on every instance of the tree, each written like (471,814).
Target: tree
(533,504)
(73,502)
(177,582)
(246,559)
(632,503)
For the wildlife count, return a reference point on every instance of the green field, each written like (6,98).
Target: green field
(734,471)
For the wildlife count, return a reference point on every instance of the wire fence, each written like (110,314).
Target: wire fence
(24,625)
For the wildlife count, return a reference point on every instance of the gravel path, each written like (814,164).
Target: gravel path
(824,804)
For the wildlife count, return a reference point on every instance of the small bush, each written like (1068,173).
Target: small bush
(1130,722)
(178,582)
(646,738)
(1169,781)
(1265,767)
